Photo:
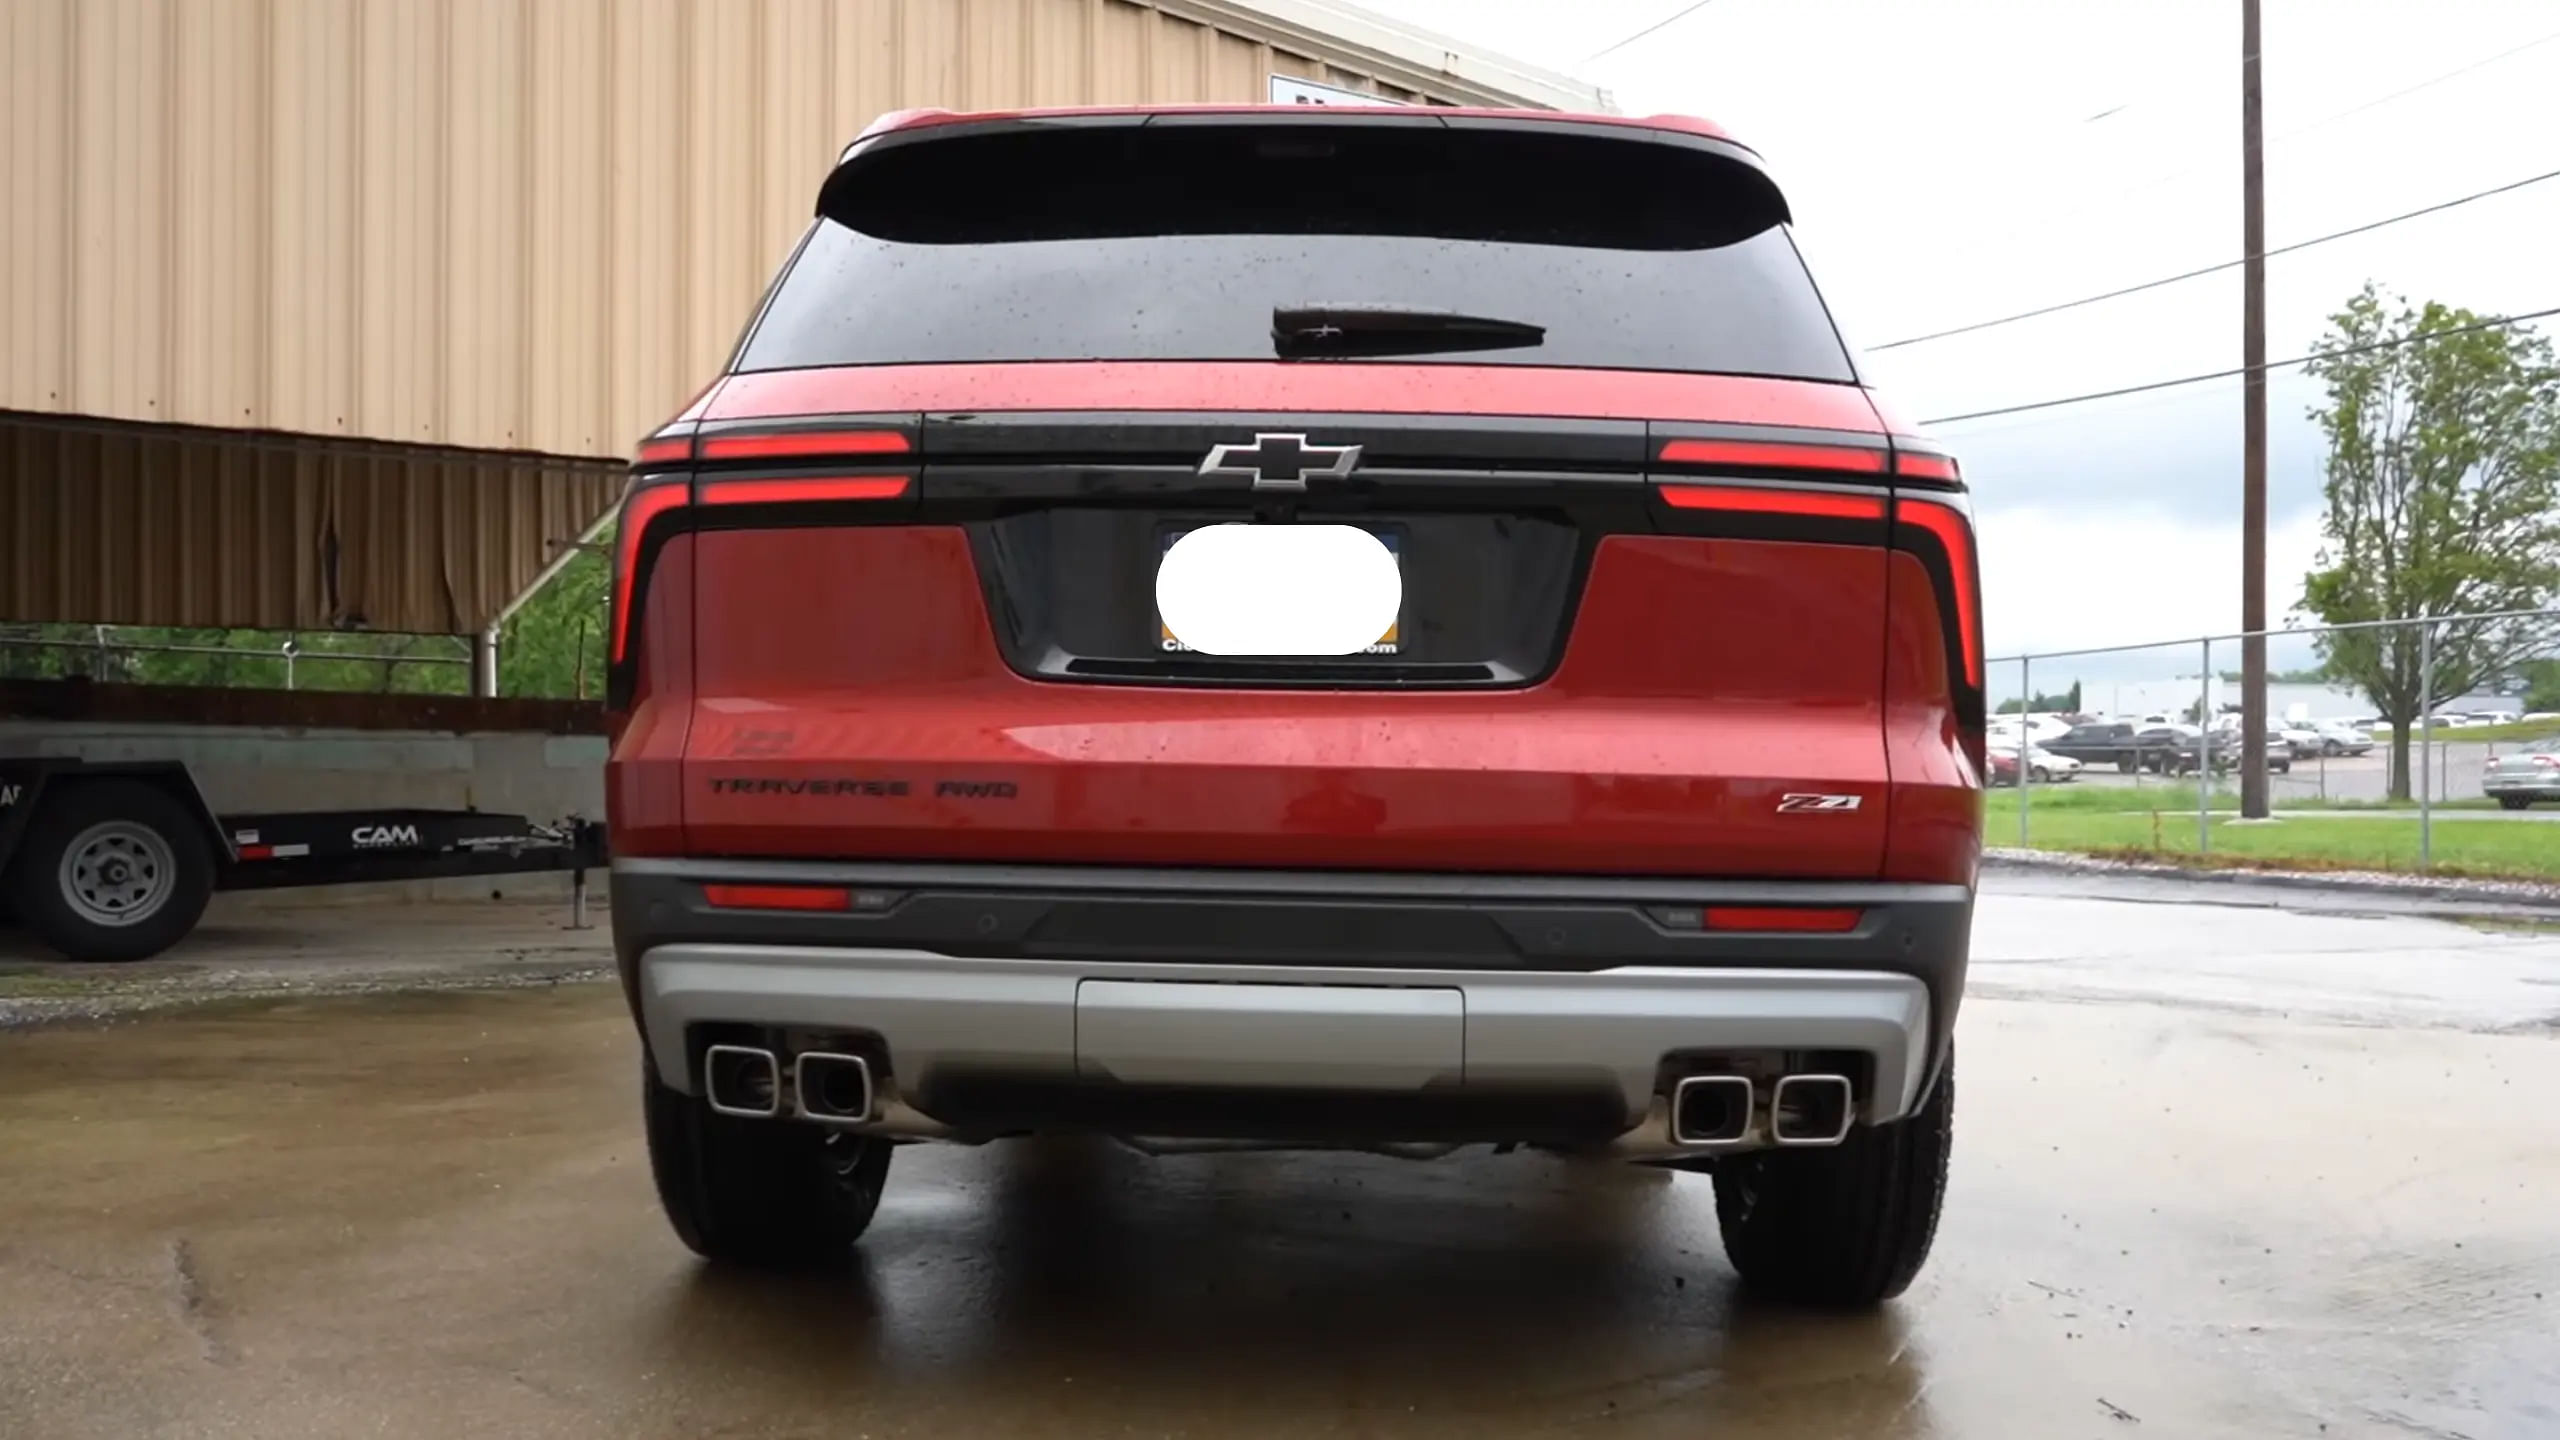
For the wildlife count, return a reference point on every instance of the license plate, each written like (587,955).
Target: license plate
(1386,644)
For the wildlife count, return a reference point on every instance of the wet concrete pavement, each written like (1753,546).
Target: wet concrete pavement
(2227,1171)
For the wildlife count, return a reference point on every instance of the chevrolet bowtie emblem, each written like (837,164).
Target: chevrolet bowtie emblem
(1281,462)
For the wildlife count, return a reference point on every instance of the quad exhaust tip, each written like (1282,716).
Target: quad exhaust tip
(1711,1109)
(1812,1110)
(833,1089)
(742,1080)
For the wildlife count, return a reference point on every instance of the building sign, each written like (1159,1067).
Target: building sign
(1290,90)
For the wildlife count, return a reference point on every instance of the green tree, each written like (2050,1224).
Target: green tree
(2063,704)
(2541,685)
(2443,498)
(553,645)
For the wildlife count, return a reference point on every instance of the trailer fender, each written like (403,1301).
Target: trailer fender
(25,782)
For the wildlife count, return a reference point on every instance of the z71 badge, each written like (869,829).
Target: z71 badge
(1802,801)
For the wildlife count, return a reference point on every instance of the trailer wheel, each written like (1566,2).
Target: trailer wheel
(112,870)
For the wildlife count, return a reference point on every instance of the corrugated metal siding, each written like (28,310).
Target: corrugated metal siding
(527,225)
(125,524)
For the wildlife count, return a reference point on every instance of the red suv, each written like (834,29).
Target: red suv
(1646,827)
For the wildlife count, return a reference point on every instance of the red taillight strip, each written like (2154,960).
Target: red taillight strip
(1825,504)
(1773,455)
(1921,465)
(1795,919)
(783,444)
(816,490)
(664,449)
(778,897)
(1954,531)
(647,503)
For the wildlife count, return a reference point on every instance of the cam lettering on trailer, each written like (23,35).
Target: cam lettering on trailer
(386,835)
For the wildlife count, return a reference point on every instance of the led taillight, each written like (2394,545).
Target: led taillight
(1922,465)
(803,491)
(665,450)
(778,897)
(1954,532)
(1744,499)
(1773,455)
(645,504)
(802,445)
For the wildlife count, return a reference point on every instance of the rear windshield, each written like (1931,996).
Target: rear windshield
(1187,242)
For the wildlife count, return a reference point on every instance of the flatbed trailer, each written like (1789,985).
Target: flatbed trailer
(110,861)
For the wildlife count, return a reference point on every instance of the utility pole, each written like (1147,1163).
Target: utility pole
(2253,442)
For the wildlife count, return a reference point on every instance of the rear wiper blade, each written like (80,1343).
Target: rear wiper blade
(1366,329)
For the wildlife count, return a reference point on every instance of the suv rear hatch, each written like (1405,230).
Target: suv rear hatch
(892,583)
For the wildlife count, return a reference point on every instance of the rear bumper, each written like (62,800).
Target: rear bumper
(1001,998)
(2545,786)
(962,1035)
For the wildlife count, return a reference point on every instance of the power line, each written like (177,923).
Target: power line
(2211,269)
(2424,84)
(1683,13)
(2154,182)
(2498,324)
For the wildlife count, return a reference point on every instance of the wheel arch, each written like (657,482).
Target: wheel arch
(39,780)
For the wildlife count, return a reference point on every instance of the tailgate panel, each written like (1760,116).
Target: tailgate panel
(851,701)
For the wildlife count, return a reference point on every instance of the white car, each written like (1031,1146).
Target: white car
(2043,766)
(2049,768)
(2337,738)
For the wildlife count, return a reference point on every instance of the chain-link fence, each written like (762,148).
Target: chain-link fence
(2386,742)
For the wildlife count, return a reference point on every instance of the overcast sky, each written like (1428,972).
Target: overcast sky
(1953,160)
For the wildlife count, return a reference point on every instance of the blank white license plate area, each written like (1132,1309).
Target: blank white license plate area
(1299,1036)
(1279,590)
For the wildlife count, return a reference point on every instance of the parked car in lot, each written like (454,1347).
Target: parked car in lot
(2179,750)
(2100,743)
(2043,766)
(985,766)
(2524,775)
(2339,738)
(2049,768)
(2000,767)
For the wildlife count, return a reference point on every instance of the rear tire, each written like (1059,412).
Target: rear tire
(112,870)
(2516,802)
(1843,1227)
(770,1194)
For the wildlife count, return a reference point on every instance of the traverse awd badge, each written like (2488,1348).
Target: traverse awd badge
(1281,462)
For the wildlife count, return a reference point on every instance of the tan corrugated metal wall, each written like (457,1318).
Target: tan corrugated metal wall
(135,525)
(493,225)
(496,224)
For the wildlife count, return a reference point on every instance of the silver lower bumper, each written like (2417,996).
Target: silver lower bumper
(1360,1029)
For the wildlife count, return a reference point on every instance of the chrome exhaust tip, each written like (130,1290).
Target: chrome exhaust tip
(832,1089)
(1711,1110)
(1812,1110)
(742,1080)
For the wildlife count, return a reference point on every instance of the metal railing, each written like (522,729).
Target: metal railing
(101,646)
(2423,731)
